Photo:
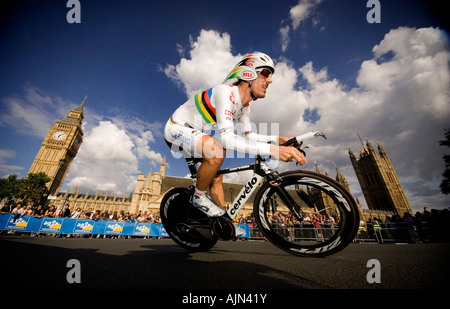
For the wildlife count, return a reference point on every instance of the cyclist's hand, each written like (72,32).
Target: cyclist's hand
(283,139)
(287,154)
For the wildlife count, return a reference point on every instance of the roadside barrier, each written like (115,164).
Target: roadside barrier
(389,233)
(394,232)
(85,226)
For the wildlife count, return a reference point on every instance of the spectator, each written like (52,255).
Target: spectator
(39,213)
(89,213)
(142,217)
(307,220)
(317,221)
(242,219)
(105,215)
(150,217)
(66,213)
(24,210)
(76,214)
(114,216)
(330,220)
(38,210)
(17,211)
(127,217)
(50,212)
(7,209)
(29,211)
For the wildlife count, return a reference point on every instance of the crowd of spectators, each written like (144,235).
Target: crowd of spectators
(426,226)
(78,213)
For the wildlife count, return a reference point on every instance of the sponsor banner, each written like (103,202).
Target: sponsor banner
(83,226)
(20,223)
(86,226)
(142,229)
(51,225)
(244,228)
(114,228)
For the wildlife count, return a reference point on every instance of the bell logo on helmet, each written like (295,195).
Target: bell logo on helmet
(247,75)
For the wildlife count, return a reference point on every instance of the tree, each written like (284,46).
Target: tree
(31,189)
(9,187)
(34,189)
(445,184)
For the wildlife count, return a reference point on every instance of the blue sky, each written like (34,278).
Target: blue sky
(138,60)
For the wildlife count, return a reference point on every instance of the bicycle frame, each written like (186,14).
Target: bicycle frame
(260,171)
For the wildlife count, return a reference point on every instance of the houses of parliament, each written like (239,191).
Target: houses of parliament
(382,190)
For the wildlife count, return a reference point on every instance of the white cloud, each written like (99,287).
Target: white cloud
(31,113)
(210,61)
(285,39)
(421,59)
(109,157)
(105,160)
(297,15)
(302,11)
(7,169)
(401,99)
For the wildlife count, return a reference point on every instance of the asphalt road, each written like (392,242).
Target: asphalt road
(41,262)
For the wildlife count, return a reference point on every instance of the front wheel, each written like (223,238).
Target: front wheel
(306,214)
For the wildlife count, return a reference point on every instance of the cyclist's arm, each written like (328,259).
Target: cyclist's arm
(251,135)
(225,124)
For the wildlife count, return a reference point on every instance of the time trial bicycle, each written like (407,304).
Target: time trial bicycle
(297,194)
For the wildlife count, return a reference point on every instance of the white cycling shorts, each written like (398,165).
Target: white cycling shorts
(183,139)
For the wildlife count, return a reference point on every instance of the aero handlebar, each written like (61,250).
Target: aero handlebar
(298,140)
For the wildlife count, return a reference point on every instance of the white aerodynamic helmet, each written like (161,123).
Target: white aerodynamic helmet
(248,67)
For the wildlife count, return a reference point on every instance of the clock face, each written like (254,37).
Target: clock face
(59,135)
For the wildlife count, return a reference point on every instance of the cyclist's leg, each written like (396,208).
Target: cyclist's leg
(213,155)
(194,143)
(216,189)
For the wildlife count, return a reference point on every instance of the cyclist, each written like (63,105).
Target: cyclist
(224,107)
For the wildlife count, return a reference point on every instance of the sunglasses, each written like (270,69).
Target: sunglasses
(266,73)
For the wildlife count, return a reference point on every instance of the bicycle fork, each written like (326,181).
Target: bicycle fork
(286,198)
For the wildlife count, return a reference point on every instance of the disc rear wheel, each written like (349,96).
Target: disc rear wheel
(176,213)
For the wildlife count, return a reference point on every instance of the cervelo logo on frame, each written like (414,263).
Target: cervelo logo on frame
(246,191)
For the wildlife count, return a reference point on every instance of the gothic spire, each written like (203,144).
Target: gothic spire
(79,108)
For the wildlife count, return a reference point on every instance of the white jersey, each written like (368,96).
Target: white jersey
(221,108)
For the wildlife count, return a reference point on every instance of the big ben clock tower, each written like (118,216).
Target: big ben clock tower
(59,148)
